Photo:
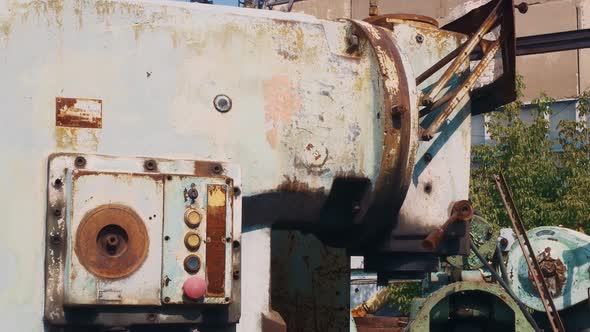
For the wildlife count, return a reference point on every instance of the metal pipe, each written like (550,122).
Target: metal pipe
(531,260)
(441,117)
(442,100)
(504,285)
(463,55)
(501,262)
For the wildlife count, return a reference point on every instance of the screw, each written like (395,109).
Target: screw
(152,317)
(166,299)
(217,169)
(419,38)
(227,299)
(150,165)
(427,157)
(228,239)
(222,103)
(57,183)
(236,244)
(57,212)
(236,275)
(237,191)
(80,161)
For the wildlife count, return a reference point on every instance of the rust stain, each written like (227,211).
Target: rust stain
(216,229)
(76,139)
(111,241)
(281,101)
(78,112)
(207,169)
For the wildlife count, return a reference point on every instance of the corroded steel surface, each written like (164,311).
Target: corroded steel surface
(389,20)
(78,112)
(112,241)
(565,267)
(216,240)
(399,126)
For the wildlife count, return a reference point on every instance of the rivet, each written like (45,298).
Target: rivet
(80,161)
(217,169)
(150,165)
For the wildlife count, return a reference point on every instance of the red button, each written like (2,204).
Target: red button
(194,288)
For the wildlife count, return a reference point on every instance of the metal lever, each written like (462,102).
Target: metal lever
(462,211)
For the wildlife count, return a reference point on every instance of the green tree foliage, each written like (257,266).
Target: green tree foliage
(401,295)
(549,177)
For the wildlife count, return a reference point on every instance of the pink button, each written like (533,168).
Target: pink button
(194,288)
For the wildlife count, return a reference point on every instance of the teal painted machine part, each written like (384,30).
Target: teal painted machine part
(571,247)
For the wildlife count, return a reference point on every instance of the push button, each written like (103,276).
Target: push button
(192,264)
(192,218)
(192,241)
(194,288)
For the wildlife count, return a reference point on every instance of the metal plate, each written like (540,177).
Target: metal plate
(112,241)
(79,186)
(127,207)
(215,249)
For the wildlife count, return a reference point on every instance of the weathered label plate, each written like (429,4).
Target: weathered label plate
(78,112)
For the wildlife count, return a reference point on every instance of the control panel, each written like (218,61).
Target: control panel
(142,241)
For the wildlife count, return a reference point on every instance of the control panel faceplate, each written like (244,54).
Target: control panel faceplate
(142,241)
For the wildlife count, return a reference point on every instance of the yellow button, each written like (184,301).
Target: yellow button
(192,218)
(192,241)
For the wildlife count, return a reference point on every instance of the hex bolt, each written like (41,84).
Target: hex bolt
(150,165)
(222,103)
(80,161)
(419,38)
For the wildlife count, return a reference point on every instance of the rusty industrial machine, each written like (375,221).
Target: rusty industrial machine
(150,147)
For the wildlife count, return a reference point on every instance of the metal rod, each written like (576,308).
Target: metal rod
(441,63)
(442,116)
(463,55)
(546,43)
(428,109)
(504,285)
(531,260)
(501,262)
